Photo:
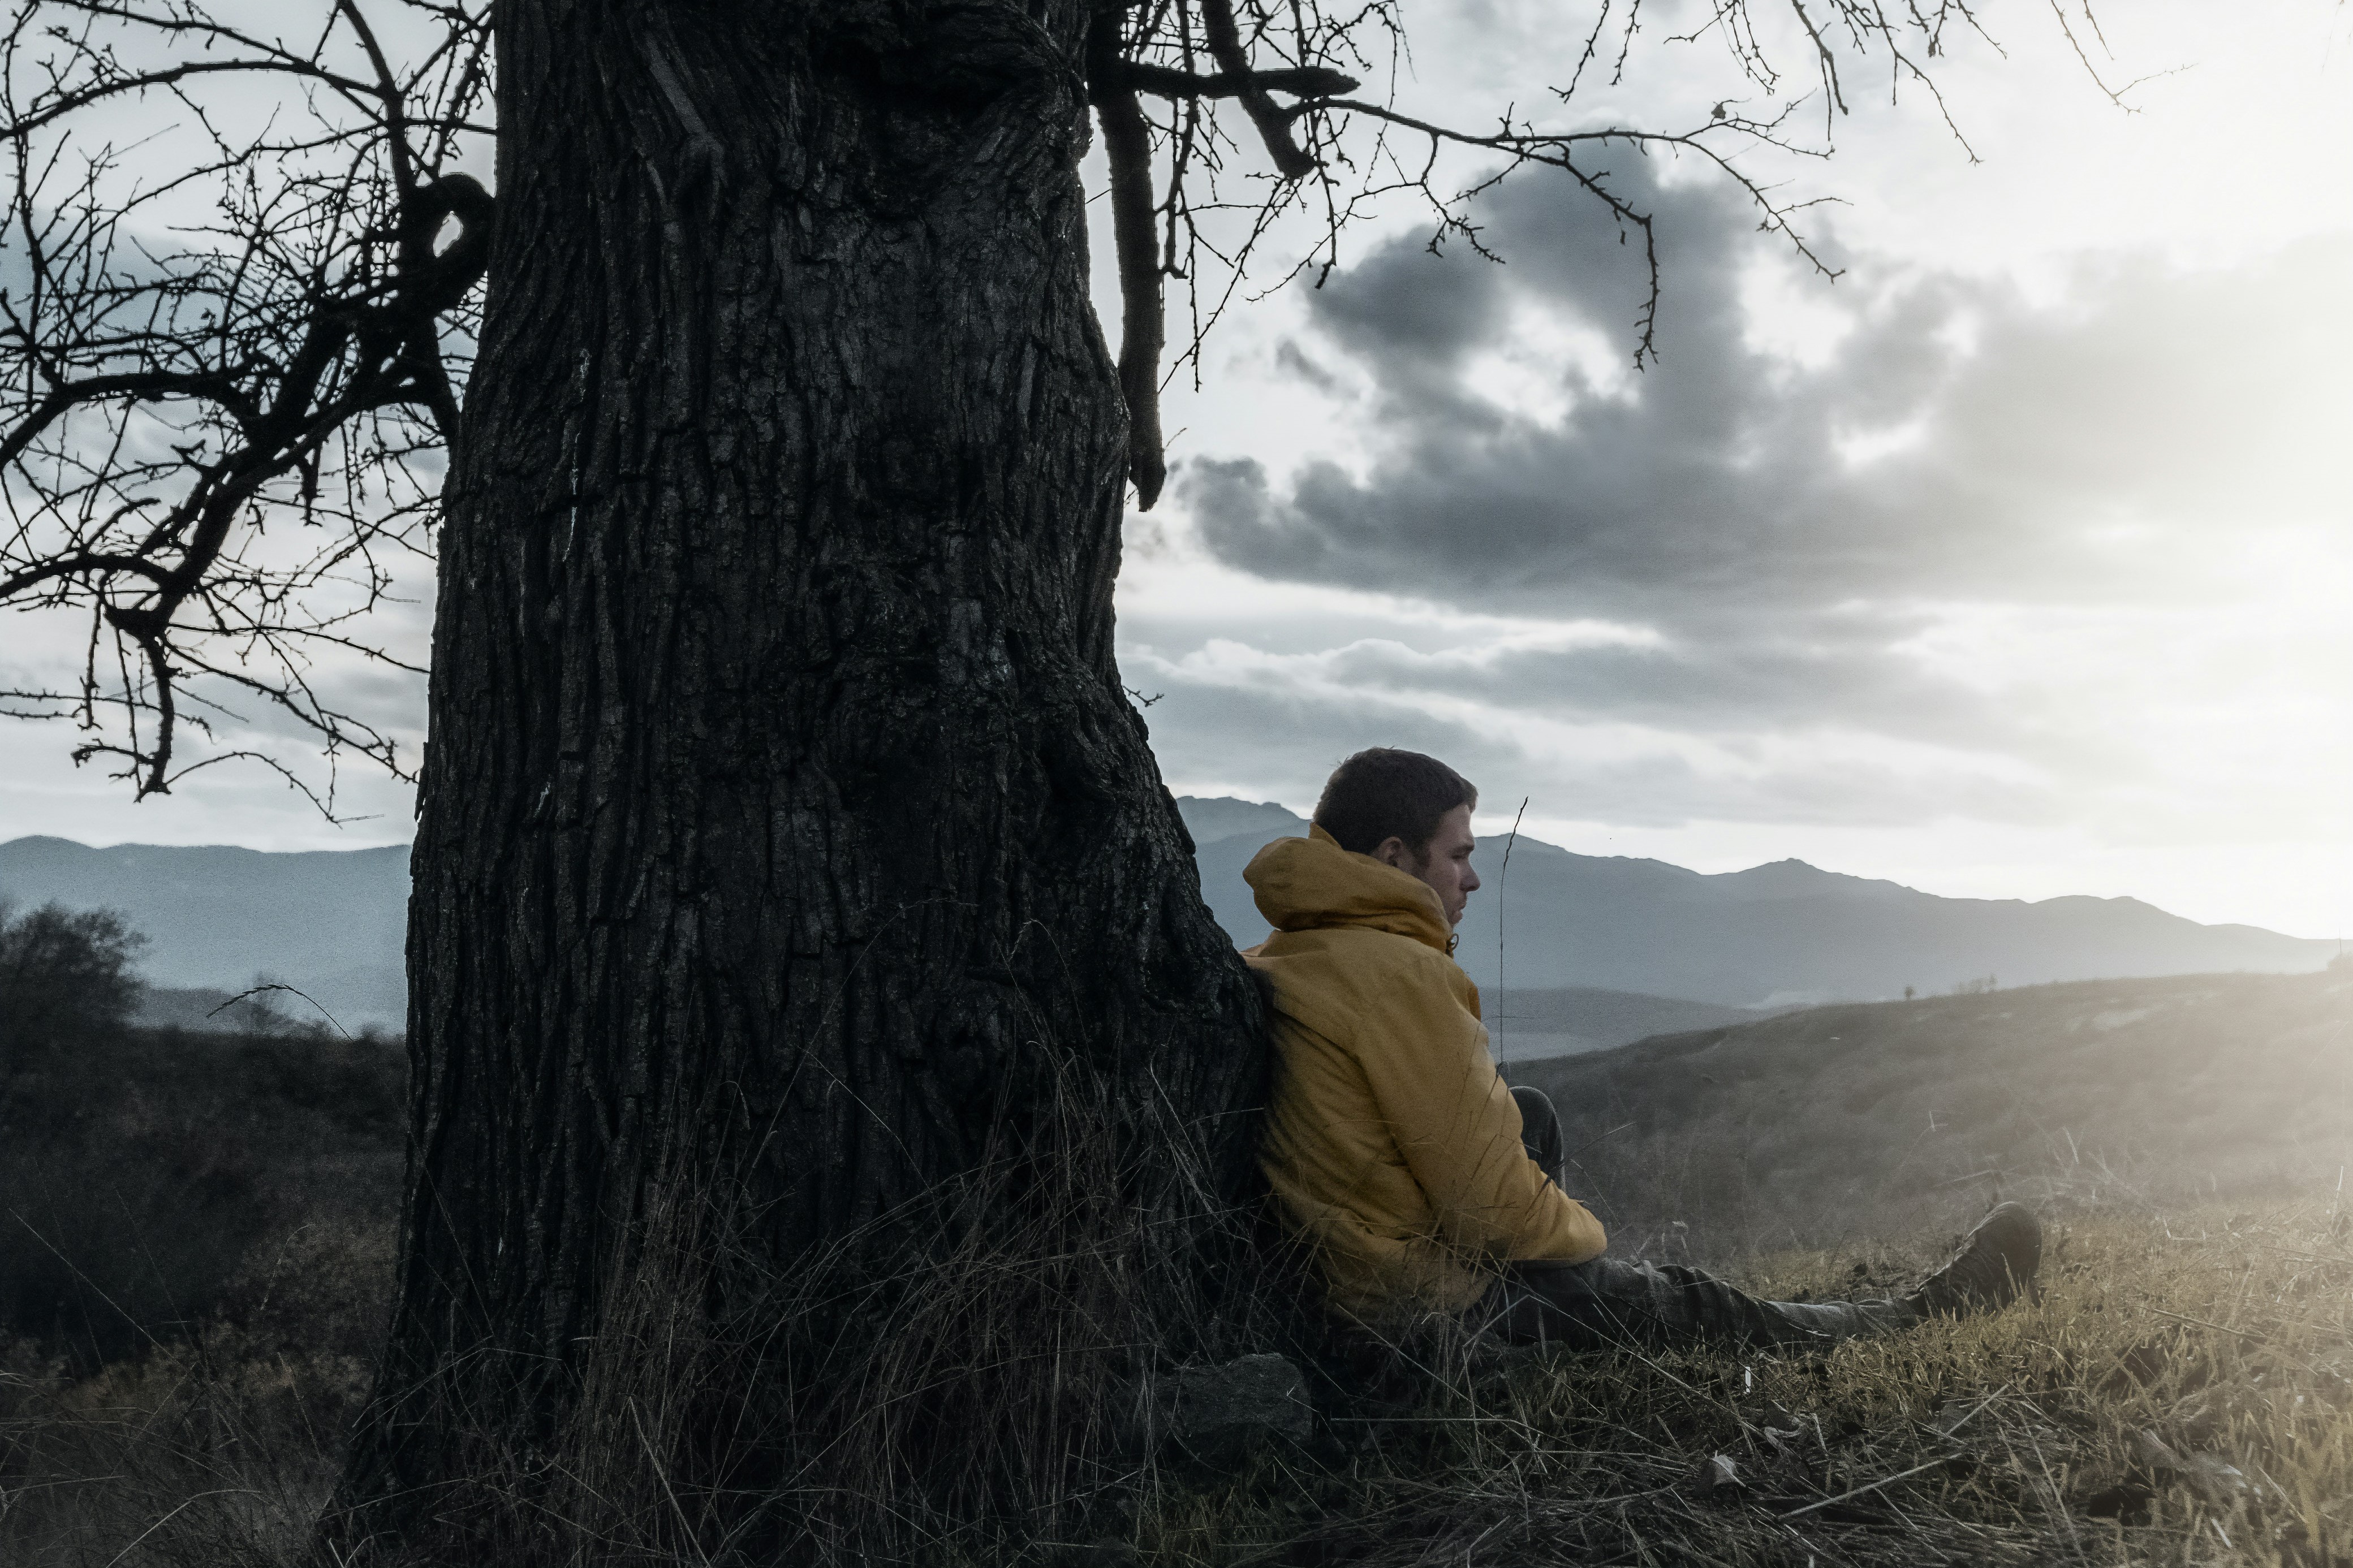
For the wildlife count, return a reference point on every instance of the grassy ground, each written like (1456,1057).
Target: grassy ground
(208,1453)
(1888,1118)
(195,1250)
(157,1181)
(2179,1394)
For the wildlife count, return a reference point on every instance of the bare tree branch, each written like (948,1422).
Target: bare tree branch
(1313,81)
(1127,147)
(2115,95)
(258,333)
(1339,154)
(1273,125)
(222,331)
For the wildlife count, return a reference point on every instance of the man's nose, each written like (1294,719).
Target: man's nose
(1470,880)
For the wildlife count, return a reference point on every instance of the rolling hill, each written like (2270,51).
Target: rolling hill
(1885,1118)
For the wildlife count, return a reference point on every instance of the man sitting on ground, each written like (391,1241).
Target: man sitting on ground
(1416,1181)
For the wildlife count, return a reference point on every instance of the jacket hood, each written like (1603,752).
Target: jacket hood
(1313,884)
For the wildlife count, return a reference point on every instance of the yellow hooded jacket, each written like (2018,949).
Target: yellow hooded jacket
(1392,1143)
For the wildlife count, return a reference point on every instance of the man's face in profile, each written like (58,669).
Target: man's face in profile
(1445,865)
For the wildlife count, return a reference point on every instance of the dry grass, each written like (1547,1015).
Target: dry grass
(2179,1394)
(157,1182)
(206,1451)
(2226,1336)
(1887,1119)
(951,1383)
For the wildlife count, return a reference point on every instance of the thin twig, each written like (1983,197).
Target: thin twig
(1859,1491)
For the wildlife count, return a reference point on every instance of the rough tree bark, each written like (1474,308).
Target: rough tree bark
(782,800)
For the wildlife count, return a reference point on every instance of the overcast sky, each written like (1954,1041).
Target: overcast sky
(2013,563)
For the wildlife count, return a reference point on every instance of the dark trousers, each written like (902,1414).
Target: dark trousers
(1607,1302)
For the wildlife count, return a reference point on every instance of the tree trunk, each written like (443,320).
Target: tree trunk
(786,833)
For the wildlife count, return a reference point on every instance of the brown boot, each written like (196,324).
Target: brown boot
(1995,1264)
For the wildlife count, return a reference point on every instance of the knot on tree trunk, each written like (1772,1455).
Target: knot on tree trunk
(434,281)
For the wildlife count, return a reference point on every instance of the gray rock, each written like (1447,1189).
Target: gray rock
(1717,1476)
(1218,1413)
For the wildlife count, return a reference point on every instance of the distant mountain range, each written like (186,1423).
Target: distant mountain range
(1598,951)
(332,923)
(1775,935)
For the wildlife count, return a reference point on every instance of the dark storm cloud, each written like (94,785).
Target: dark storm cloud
(1679,685)
(1710,495)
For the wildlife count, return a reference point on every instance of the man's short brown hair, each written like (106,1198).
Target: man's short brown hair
(1384,793)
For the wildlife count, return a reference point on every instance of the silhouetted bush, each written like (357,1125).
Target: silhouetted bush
(121,1239)
(65,980)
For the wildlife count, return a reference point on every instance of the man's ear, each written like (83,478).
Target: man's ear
(1391,851)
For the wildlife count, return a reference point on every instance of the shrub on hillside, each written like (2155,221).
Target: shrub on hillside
(123,1227)
(65,979)
(154,1181)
